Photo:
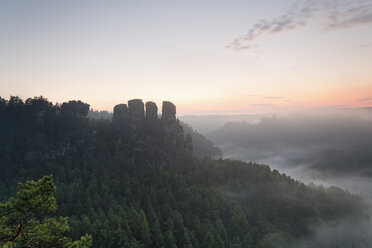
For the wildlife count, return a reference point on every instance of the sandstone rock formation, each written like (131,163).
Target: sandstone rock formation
(151,111)
(169,121)
(75,109)
(168,111)
(149,138)
(136,114)
(120,110)
(121,116)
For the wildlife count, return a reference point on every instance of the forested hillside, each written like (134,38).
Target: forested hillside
(133,181)
(203,147)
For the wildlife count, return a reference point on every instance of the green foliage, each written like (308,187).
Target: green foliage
(124,203)
(23,222)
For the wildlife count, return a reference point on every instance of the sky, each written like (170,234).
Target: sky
(207,57)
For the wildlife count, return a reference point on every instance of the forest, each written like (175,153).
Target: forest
(139,180)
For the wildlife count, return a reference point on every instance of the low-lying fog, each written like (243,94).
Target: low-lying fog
(333,148)
(326,148)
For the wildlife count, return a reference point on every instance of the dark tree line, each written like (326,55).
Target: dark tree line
(123,202)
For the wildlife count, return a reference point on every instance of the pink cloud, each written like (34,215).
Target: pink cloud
(336,14)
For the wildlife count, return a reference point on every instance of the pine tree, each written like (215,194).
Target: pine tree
(23,222)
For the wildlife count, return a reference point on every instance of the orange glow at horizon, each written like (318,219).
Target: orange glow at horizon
(355,97)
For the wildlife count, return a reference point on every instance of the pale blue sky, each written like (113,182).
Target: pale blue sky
(106,52)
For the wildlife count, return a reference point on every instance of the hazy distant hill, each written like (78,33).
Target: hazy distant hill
(96,114)
(208,123)
(312,146)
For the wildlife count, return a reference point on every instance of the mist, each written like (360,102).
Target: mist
(346,233)
(321,148)
(206,123)
(317,146)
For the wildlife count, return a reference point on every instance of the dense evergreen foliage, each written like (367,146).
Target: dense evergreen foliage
(24,222)
(125,202)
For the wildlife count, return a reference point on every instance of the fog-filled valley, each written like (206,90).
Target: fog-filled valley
(320,147)
(332,147)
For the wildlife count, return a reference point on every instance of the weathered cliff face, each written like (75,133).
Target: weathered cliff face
(121,116)
(149,138)
(120,110)
(152,122)
(136,114)
(75,108)
(151,111)
(168,112)
(169,123)
(173,136)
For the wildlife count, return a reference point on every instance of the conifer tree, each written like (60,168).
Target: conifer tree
(23,221)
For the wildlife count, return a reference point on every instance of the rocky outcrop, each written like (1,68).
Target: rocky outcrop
(148,137)
(75,109)
(152,122)
(136,114)
(169,121)
(120,110)
(151,111)
(168,112)
(121,116)
(173,136)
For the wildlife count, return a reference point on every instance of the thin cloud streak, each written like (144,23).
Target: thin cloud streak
(261,105)
(366,45)
(365,99)
(351,17)
(275,97)
(268,97)
(336,14)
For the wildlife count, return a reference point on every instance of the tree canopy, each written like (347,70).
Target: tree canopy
(24,220)
(149,202)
